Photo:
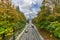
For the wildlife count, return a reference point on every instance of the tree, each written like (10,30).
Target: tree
(47,20)
(9,20)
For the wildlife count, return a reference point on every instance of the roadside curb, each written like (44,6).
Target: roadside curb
(38,33)
(18,37)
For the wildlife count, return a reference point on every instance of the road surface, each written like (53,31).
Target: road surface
(30,35)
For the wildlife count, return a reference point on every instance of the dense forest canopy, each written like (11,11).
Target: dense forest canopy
(49,19)
(10,19)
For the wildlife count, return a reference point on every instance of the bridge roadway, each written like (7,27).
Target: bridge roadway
(30,34)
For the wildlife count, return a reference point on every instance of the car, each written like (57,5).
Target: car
(32,26)
(26,31)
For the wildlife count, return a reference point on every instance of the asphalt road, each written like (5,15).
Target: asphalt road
(31,34)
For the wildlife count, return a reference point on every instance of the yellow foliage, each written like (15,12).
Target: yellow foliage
(9,20)
(0,38)
(2,9)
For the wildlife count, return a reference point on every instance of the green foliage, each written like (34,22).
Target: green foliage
(57,9)
(10,20)
(44,25)
(49,21)
(57,32)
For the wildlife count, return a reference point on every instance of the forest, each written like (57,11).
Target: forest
(12,21)
(48,19)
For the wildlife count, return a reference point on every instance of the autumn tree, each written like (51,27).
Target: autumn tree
(9,20)
(47,20)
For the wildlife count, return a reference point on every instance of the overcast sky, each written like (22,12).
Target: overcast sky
(28,6)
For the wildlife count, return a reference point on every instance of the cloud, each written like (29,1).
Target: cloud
(28,6)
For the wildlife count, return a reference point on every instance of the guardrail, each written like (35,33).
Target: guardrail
(19,36)
(41,38)
(16,35)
